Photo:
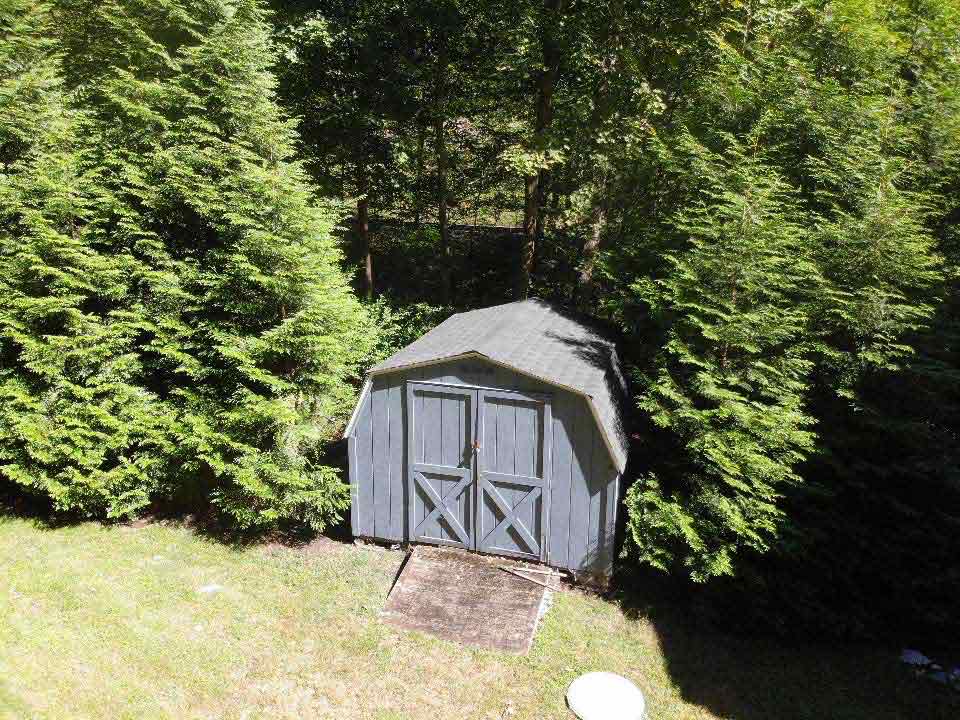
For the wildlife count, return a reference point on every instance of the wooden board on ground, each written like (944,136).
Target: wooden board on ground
(465,597)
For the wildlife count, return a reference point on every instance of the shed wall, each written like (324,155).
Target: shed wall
(584,482)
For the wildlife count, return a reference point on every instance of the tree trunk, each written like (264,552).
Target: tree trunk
(362,228)
(445,257)
(585,292)
(536,185)
(440,93)
(363,235)
(421,162)
(529,242)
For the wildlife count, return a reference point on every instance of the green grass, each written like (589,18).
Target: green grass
(108,622)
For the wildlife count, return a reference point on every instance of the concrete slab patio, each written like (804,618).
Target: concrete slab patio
(467,598)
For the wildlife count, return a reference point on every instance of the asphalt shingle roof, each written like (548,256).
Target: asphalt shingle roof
(540,340)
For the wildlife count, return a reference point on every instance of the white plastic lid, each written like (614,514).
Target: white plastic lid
(605,696)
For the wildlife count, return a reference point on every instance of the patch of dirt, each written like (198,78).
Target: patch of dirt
(319,545)
(140,522)
(204,523)
(322,545)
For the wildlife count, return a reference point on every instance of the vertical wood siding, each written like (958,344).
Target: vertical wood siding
(584,482)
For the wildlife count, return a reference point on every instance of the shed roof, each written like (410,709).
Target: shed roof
(537,339)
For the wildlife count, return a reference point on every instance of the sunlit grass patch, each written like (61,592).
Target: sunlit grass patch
(159,622)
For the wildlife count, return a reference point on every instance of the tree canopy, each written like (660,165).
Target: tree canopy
(761,197)
(215,215)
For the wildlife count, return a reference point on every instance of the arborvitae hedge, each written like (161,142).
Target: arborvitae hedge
(173,316)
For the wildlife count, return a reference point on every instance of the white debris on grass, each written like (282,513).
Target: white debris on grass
(210,589)
(605,696)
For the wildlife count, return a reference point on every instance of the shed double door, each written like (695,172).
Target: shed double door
(479,463)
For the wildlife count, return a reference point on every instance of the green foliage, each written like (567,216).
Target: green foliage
(832,106)
(401,324)
(176,309)
(761,194)
(730,379)
(75,422)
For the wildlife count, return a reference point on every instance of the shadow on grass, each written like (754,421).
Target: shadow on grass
(210,526)
(37,510)
(207,524)
(731,676)
(747,677)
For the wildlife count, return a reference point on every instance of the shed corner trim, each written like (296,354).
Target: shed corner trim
(364,391)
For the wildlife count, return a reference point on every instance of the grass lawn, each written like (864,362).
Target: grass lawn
(110,622)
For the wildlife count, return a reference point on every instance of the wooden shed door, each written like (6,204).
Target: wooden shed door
(441,427)
(513,474)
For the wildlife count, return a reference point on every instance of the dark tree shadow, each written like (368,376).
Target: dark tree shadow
(757,677)
(15,503)
(598,348)
(204,522)
(738,674)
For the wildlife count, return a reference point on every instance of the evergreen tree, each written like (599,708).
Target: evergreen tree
(835,97)
(730,379)
(75,421)
(762,194)
(214,274)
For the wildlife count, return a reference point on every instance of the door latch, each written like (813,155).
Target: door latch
(476,445)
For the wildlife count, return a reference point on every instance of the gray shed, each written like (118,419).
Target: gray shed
(498,431)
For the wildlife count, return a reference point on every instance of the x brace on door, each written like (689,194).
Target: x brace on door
(511,516)
(440,507)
